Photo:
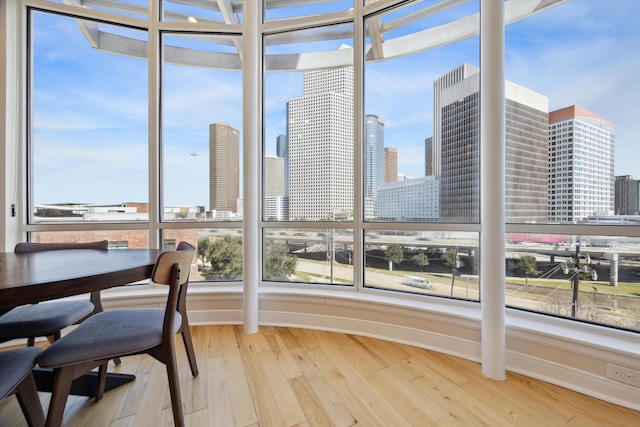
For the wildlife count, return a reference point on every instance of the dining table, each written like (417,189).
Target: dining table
(36,277)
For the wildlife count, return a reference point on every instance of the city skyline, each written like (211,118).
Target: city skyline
(594,65)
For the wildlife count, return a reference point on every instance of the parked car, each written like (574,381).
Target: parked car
(416,282)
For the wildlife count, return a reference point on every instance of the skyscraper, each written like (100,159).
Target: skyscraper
(320,134)
(282,146)
(428,156)
(273,176)
(275,202)
(390,164)
(373,163)
(581,179)
(627,195)
(453,77)
(282,150)
(526,160)
(224,167)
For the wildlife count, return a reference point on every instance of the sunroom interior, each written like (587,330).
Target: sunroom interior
(374,167)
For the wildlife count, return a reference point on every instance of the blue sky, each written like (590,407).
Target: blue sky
(91,107)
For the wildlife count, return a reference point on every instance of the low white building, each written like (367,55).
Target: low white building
(410,200)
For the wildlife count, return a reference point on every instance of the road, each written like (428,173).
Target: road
(465,286)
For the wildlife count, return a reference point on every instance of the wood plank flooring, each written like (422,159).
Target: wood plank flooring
(299,377)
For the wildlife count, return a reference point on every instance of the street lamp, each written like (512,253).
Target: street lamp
(454,268)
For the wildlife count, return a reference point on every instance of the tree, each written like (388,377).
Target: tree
(451,260)
(526,265)
(278,264)
(394,255)
(421,260)
(225,256)
(204,246)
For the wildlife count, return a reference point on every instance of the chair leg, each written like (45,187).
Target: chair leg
(174,388)
(27,395)
(102,380)
(31,341)
(188,345)
(62,379)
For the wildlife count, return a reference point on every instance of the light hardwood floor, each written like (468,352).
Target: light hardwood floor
(300,377)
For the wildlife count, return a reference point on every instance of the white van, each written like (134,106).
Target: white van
(416,282)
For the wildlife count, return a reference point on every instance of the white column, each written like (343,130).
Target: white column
(11,133)
(358,166)
(492,164)
(251,130)
(154,125)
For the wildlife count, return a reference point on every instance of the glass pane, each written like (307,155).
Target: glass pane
(592,278)
(321,256)
(589,141)
(201,12)
(89,133)
(133,8)
(219,254)
(422,114)
(118,239)
(424,262)
(309,125)
(201,141)
(307,8)
(203,240)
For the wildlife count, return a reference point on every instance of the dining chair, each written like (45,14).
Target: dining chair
(124,332)
(16,377)
(184,326)
(48,319)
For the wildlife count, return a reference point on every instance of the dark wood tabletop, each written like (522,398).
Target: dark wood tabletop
(27,278)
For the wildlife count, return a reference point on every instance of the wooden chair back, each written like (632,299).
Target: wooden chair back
(40,247)
(183,256)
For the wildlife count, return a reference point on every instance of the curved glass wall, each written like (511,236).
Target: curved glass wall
(370,151)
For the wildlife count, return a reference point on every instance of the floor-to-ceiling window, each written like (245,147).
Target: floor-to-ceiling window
(88,145)
(571,181)
(308,164)
(420,149)
(201,146)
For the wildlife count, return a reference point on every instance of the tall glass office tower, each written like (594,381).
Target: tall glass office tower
(526,157)
(373,163)
(282,150)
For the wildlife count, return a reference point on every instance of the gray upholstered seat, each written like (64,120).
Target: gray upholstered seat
(114,333)
(16,377)
(48,319)
(109,334)
(42,320)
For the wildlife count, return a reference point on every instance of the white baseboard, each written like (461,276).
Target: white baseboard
(566,353)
